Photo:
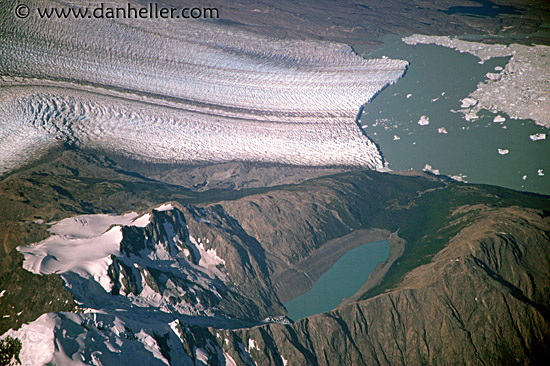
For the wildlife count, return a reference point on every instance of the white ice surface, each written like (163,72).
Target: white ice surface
(468,102)
(182,92)
(81,245)
(499,119)
(37,339)
(229,361)
(537,136)
(424,121)
(87,257)
(89,226)
(164,207)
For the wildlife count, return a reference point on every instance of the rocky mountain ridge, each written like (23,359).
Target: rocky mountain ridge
(469,281)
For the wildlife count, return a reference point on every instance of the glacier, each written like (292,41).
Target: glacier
(181,91)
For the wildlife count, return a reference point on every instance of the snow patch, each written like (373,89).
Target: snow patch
(208,257)
(82,245)
(37,339)
(229,361)
(202,356)
(142,221)
(165,207)
(87,257)
(90,226)
(285,362)
(252,345)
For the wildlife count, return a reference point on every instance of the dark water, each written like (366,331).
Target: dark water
(342,280)
(485,9)
(469,149)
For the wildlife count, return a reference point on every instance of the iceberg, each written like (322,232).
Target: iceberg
(468,102)
(499,119)
(424,121)
(537,136)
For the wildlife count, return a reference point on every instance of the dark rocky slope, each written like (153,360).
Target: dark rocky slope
(467,281)
(482,300)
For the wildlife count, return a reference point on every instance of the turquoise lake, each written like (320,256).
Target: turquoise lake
(437,79)
(342,280)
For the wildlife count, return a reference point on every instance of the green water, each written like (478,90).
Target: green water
(469,149)
(342,280)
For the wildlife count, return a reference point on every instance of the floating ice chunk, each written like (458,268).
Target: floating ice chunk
(499,119)
(395,138)
(468,102)
(538,136)
(424,121)
(524,177)
(470,116)
(503,151)
(430,169)
(498,68)
(540,173)
(442,130)
(409,95)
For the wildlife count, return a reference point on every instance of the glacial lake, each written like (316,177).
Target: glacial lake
(437,79)
(342,280)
